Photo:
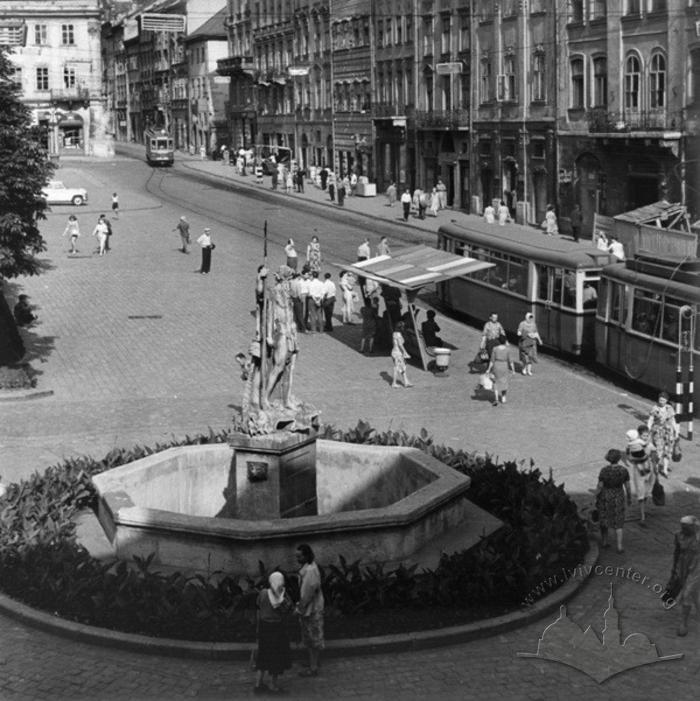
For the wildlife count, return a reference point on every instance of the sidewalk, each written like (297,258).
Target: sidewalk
(138,348)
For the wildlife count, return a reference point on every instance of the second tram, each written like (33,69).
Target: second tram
(646,325)
(554,278)
(159,147)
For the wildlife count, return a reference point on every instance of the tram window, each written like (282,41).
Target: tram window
(517,276)
(617,302)
(558,285)
(460,248)
(543,272)
(590,293)
(646,312)
(669,328)
(569,288)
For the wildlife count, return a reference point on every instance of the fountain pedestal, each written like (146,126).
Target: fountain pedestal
(275,476)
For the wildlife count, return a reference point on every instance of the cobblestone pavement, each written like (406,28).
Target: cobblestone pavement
(119,380)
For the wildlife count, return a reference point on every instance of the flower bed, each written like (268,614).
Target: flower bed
(43,565)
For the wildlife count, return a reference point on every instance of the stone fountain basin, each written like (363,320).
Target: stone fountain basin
(375,503)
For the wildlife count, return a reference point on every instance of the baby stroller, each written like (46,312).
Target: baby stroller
(480,362)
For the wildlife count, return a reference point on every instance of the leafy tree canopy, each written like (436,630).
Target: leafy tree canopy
(24,169)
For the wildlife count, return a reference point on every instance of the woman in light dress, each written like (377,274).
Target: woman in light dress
(291,253)
(550,221)
(399,356)
(347,290)
(72,230)
(664,430)
(528,338)
(434,202)
(313,255)
(502,367)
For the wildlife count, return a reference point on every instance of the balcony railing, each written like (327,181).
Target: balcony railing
(390,109)
(235,64)
(442,119)
(75,94)
(600,121)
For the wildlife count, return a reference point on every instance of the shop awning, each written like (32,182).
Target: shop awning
(415,267)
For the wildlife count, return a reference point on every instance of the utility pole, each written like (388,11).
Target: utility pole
(332,76)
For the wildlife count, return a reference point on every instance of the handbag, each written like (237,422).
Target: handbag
(486,381)
(676,453)
(212,246)
(658,496)
(484,355)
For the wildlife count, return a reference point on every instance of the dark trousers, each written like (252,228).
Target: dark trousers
(206,260)
(406,210)
(298,307)
(328,306)
(331,191)
(315,315)
(576,232)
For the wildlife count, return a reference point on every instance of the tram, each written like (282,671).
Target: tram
(646,324)
(555,279)
(159,147)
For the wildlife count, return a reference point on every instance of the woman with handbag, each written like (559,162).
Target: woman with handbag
(664,430)
(613,486)
(272,655)
(501,362)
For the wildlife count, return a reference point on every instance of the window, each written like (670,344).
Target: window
(67,34)
(538,148)
(657,81)
(598,9)
(632,7)
(40,34)
(600,81)
(16,75)
(69,77)
(575,11)
(694,81)
(464,90)
(428,36)
(510,8)
(509,80)
(380,33)
(464,32)
(646,312)
(658,6)
(42,78)
(509,272)
(670,325)
(446,92)
(485,80)
(445,35)
(388,38)
(577,84)
(539,93)
(632,80)
(429,92)
(399,22)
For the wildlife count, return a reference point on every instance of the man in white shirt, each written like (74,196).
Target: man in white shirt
(617,249)
(489,214)
(363,250)
(316,293)
(328,301)
(406,203)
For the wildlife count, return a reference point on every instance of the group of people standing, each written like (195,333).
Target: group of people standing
(650,450)
(102,232)
(420,201)
(272,653)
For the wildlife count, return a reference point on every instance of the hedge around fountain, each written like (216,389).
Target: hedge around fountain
(43,565)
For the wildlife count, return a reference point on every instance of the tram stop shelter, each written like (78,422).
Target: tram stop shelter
(409,271)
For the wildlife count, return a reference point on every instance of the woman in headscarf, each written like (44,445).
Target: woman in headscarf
(613,486)
(273,654)
(528,338)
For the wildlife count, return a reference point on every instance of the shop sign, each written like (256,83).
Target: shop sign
(448,68)
(565,176)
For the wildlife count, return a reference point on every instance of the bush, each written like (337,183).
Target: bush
(43,565)
(16,377)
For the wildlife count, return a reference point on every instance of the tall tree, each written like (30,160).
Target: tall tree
(24,169)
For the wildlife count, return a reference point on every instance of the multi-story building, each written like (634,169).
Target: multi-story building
(196,76)
(159,70)
(628,98)
(55,47)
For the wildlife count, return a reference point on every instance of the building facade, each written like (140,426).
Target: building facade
(55,47)
(628,98)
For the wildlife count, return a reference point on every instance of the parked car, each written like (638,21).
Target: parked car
(57,193)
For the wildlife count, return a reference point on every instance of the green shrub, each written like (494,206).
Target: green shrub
(43,565)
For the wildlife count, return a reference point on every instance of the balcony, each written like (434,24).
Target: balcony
(235,65)
(387,110)
(74,94)
(442,119)
(600,121)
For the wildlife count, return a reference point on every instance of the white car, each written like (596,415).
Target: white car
(57,193)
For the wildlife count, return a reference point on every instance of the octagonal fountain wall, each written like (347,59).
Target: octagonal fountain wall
(374,503)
